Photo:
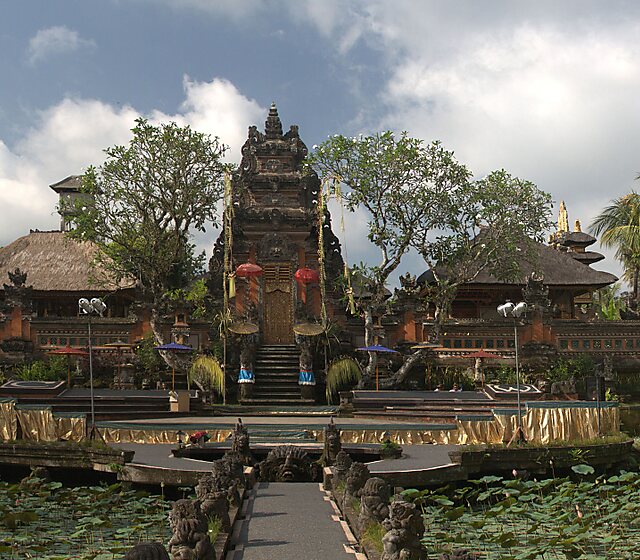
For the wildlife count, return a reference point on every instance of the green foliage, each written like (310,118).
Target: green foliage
(49,521)
(195,295)
(575,367)
(618,226)
(608,303)
(341,373)
(551,519)
(207,374)
(52,369)
(214,526)
(372,536)
(147,356)
(142,204)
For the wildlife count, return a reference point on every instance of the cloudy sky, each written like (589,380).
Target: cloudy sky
(548,90)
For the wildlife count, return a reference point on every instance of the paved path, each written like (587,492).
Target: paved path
(289,521)
(415,457)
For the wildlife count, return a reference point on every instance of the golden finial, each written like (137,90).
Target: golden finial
(563,218)
(577,227)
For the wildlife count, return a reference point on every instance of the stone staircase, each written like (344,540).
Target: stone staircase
(276,370)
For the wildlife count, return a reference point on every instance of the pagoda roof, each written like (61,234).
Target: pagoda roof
(559,268)
(55,263)
(577,238)
(72,183)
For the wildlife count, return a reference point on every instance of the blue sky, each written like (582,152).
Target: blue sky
(547,90)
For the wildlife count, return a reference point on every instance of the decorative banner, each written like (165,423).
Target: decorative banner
(246,376)
(306,377)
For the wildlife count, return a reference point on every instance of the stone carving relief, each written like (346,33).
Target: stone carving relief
(189,525)
(275,247)
(405,528)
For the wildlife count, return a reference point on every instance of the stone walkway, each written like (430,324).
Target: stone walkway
(289,521)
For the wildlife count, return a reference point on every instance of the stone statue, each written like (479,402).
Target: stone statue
(536,294)
(354,482)
(341,467)
(404,528)
(332,445)
(147,551)
(287,463)
(213,500)
(374,502)
(190,540)
(240,444)
(228,478)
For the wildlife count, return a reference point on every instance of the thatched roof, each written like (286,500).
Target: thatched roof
(53,262)
(559,269)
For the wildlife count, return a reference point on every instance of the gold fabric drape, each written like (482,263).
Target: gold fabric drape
(8,421)
(37,424)
(542,423)
(71,428)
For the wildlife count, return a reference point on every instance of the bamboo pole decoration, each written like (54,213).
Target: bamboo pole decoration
(321,254)
(228,247)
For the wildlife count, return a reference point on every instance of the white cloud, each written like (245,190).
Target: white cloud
(71,135)
(219,109)
(55,41)
(557,108)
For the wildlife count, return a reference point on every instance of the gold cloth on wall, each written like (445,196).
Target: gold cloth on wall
(37,424)
(71,428)
(8,421)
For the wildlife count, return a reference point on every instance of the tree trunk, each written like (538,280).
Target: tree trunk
(370,369)
(401,374)
(172,359)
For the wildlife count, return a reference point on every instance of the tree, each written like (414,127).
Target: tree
(488,225)
(382,175)
(418,196)
(618,227)
(143,202)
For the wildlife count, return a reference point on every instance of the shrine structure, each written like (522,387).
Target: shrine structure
(276,268)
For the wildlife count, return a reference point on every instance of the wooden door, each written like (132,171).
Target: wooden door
(278,309)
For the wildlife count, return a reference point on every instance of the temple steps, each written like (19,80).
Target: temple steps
(276,370)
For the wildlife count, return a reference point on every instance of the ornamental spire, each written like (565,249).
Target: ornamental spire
(563,218)
(273,125)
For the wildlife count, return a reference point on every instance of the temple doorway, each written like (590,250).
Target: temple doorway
(278,307)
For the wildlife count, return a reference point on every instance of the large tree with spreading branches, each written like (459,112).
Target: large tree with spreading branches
(143,203)
(419,196)
(382,174)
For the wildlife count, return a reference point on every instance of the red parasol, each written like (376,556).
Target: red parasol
(68,351)
(248,270)
(306,275)
(481,354)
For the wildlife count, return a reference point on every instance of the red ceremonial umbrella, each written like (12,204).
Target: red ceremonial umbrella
(248,270)
(306,276)
(481,354)
(68,351)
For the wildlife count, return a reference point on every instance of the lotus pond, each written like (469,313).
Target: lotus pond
(46,520)
(584,517)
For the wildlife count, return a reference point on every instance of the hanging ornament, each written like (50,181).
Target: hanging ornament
(232,285)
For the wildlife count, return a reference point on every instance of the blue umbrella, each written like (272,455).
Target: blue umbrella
(174,347)
(377,348)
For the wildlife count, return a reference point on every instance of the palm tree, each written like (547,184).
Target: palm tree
(619,227)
